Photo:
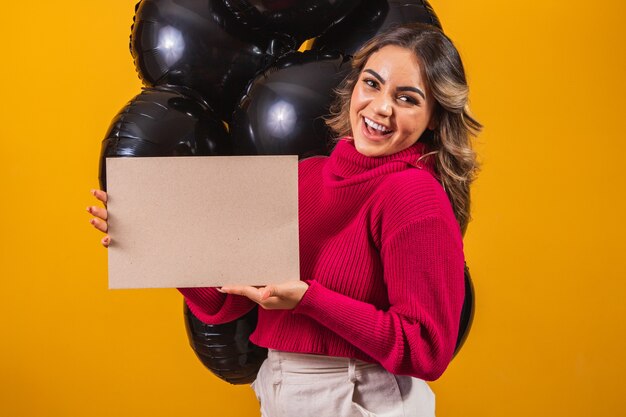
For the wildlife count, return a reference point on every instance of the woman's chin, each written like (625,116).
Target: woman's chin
(369,149)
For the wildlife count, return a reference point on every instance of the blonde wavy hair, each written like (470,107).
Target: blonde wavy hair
(449,144)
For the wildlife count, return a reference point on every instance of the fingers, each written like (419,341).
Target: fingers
(252,293)
(98,212)
(261,296)
(99,224)
(99,221)
(264,293)
(100,195)
(275,296)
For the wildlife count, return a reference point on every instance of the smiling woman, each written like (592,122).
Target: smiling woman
(427,91)
(389,110)
(375,313)
(381,248)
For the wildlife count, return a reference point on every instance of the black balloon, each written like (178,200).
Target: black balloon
(164,122)
(467,312)
(295,19)
(371,18)
(281,112)
(225,348)
(197,44)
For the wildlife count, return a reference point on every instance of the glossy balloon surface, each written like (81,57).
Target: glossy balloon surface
(467,312)
(164,122)
(197,44)
(371,18)
(225,349)
(296,19)
(282,110)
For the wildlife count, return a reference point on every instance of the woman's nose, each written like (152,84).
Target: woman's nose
(382,105)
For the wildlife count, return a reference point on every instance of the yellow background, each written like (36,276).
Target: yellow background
(545,248)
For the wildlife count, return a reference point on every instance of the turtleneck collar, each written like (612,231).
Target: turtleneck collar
(347,166)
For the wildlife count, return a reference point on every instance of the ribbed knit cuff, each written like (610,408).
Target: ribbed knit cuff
(207,299)
(307,304)
(213,307)
(332,309)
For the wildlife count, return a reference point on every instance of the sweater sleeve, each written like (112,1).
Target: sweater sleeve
(213,307)
(416,335)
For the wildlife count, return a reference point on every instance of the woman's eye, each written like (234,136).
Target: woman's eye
(408,99)
(370,83)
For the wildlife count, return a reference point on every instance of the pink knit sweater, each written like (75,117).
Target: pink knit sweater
(382,253)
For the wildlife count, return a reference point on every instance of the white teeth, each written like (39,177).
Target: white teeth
(376,126)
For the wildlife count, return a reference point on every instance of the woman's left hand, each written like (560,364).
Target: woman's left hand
(285,296)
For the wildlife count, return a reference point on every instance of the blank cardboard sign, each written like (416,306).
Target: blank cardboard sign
(202,221)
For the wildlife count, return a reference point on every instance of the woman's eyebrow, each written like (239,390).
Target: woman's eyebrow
(375,74)
(382,81)
(414,89)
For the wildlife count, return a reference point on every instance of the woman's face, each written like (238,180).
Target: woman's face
(390,106)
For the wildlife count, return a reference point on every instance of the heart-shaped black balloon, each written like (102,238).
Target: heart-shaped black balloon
(164,121)
(467,312)
(296,19)
(197,44)
(225,349)
(282,111)
(371,18)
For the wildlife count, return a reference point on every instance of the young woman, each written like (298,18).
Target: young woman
(376,311)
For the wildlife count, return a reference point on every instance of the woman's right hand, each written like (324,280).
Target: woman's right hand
(99,221)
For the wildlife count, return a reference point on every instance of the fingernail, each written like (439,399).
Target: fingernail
(93,192)
(220,290)
(92,221)
(88,209)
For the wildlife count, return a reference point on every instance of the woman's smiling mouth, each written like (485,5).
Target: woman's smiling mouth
(374,130)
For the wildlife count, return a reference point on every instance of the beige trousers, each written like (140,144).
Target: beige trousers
(300,385)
